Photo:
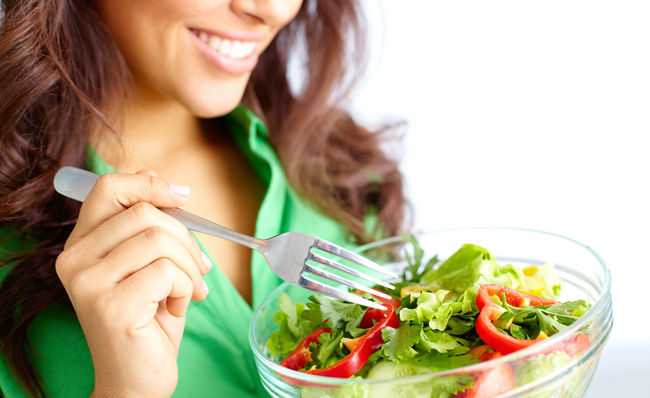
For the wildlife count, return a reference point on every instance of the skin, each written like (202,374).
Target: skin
(129,269)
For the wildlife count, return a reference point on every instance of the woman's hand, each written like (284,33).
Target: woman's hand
(130,271)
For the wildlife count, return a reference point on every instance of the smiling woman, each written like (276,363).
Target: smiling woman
(96,300)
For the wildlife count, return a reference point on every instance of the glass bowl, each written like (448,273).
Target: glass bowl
(584,276)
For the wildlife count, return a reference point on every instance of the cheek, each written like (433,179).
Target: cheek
(154,39)
(144,33)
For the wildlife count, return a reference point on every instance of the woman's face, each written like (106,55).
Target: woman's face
(199,53)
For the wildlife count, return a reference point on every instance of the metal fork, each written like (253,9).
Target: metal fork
(287,254)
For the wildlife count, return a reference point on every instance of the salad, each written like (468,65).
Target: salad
(440,317)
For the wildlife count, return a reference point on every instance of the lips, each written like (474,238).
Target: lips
(232,55)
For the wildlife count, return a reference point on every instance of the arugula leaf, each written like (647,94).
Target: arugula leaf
(399,342)
(411,271)
(333,313)
(358,332)
(550,319)
(292,327)
(519,332)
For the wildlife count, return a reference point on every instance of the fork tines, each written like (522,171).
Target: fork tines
(330,291)
(350,256)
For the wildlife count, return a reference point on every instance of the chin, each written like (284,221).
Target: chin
(208,101)
(212,109)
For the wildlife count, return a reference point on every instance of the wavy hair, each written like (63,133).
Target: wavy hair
(60,69)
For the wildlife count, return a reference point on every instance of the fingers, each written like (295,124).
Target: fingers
(158,281)
(127,224)
(145,248)
(113,193)
(147,173)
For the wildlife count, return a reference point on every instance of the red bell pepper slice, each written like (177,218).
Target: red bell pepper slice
(366,345)
(487,331)
(507,344)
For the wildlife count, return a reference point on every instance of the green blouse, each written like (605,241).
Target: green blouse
(215,357)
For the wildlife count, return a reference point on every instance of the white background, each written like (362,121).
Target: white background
(529,114)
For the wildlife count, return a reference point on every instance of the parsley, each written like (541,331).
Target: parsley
(399,342)
(324,351)
(333,313)
(455,358)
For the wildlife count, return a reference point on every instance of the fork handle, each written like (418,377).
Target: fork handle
(76,184)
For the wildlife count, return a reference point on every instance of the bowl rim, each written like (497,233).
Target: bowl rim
(526,352)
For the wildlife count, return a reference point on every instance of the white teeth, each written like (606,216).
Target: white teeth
(224,48)
(248,48)
(214,42)
(234,49)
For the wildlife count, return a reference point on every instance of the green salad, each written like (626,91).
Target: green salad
(466,310)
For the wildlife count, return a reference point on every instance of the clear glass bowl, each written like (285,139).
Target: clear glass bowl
(583,273)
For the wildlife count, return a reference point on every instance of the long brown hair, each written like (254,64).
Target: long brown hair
(59,70)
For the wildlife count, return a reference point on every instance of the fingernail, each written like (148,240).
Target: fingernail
(206,261)
(181,190)
(206,288)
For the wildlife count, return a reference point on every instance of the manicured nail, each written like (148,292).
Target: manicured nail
(206,288)
(181,190)
(206,261)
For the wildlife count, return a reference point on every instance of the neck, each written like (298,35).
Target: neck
(154,133)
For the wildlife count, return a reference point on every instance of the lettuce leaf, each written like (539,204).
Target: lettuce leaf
(427,306)
(293,328)
(541,366)
(457,262)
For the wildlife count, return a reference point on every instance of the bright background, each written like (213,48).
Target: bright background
(528,114)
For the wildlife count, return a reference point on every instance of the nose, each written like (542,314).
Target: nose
(269,12)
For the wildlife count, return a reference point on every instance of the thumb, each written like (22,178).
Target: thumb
(113,193)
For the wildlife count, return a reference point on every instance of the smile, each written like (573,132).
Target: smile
(234,49)
(232,53)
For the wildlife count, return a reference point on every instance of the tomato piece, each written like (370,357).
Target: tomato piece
(491,383)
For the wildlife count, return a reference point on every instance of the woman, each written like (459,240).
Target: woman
(96,299)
